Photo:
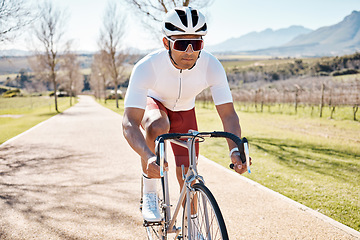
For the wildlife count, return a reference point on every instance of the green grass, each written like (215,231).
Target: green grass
(314,161)
(111,104)
(23,113)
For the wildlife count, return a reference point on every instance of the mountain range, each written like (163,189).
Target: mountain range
(14,53)
(338,39)
(260,40)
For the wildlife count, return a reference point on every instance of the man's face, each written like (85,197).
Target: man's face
(186,59)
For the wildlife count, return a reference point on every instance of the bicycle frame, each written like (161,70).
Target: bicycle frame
(191,177)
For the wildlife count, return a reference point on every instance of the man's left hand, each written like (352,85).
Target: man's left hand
(239,167)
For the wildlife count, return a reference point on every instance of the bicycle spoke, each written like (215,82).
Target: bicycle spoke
(208,223)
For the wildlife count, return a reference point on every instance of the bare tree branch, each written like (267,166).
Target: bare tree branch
(14,15)
(70,68)
(155,9)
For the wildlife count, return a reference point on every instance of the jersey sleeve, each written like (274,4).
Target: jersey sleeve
(218,83)
(141,79)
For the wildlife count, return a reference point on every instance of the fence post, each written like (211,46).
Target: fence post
(262,99)
(296,97)
(322,98)
(255,100)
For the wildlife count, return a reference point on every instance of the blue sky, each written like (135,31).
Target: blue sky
(226,19)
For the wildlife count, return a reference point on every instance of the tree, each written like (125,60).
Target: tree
(71,74)
(99,75)
(111,38)
(49,33)
(14,15)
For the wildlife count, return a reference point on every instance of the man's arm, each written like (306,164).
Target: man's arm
(131,129)
(230,121)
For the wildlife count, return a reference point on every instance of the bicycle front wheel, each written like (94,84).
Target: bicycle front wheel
(206,221)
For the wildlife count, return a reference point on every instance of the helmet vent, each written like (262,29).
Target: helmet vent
(182,16)
(203,28)
(172,27)
(195,17)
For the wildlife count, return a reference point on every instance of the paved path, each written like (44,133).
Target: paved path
(74,177)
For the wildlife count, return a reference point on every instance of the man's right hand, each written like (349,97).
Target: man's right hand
(153,170)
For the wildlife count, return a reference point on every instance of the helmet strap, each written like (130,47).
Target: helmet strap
(170,54)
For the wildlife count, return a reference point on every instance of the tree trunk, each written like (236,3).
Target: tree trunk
(71,92)
(332,112)
(296,100)
(355,109)
(104,83)
(116,95)
(55,95)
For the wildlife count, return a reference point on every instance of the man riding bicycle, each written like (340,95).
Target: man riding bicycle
(161,98)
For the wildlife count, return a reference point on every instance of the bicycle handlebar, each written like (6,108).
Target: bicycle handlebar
(239,142)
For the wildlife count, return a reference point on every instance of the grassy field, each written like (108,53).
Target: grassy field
(313,161)
(111,104)
(19,114)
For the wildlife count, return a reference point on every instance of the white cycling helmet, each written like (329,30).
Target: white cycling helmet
(183,21)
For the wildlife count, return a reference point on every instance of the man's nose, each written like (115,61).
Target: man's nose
(189,49)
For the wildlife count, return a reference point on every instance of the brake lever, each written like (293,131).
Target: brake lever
(162,158)
(247,155)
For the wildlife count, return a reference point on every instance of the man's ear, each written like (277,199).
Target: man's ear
(166,43)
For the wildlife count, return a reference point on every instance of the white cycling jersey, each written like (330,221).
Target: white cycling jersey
(176,89)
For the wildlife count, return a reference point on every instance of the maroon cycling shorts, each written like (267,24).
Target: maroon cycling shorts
(180,122)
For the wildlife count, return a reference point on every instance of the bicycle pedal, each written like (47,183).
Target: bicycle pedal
(149,224)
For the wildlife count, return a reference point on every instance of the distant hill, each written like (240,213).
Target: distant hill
(14,53)
(339,39)
(259,40)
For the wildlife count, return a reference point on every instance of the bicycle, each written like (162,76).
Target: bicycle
(206,221)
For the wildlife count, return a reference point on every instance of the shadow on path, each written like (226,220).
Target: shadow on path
(58,191)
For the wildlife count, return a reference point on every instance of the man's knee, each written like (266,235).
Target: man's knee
(157,127)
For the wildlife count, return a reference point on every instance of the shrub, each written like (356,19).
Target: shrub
(344,72)
(2,90)
(112,96)
(59,94)
(12,93)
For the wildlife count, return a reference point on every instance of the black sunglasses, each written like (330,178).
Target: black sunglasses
(182,44)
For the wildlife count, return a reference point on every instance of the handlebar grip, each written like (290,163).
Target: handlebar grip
(157,146)
(161,139)
(239,142)
(169,136)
